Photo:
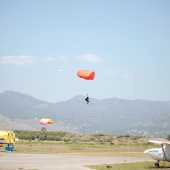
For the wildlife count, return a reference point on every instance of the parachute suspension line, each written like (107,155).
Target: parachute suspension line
(86,75)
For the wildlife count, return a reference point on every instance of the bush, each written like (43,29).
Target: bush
(168,138)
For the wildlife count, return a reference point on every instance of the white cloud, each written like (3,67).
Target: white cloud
(119,72)
(89,58)
(52,59)
(18,60)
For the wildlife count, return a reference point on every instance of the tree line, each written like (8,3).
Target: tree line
(61,136)
(44,135)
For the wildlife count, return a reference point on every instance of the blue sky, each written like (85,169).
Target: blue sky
(44,43)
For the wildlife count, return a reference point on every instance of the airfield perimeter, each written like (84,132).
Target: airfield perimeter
(16,161)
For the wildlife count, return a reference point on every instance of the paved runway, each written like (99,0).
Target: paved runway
(18,161)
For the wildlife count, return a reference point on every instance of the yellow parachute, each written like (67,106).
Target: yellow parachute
(44,121)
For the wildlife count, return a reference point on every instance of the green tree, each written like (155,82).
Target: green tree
(43,129)
(168,138)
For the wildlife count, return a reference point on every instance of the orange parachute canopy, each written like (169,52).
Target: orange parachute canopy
(86,74)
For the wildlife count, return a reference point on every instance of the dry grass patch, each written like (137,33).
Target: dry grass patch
(128,166)
(80,148)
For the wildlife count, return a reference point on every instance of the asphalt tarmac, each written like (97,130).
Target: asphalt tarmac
(20,161)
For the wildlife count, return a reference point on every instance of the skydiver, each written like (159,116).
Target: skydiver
(87,99)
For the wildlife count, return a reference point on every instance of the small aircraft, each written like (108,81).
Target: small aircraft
(159,154)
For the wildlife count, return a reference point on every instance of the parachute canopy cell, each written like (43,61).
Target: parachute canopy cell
(86,74)
(46,121)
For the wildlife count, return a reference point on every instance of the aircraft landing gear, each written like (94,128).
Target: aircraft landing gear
(157,164)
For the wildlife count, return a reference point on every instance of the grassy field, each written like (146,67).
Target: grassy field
(81,148)
(129,166)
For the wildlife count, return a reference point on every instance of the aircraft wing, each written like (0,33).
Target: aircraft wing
(158,142)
